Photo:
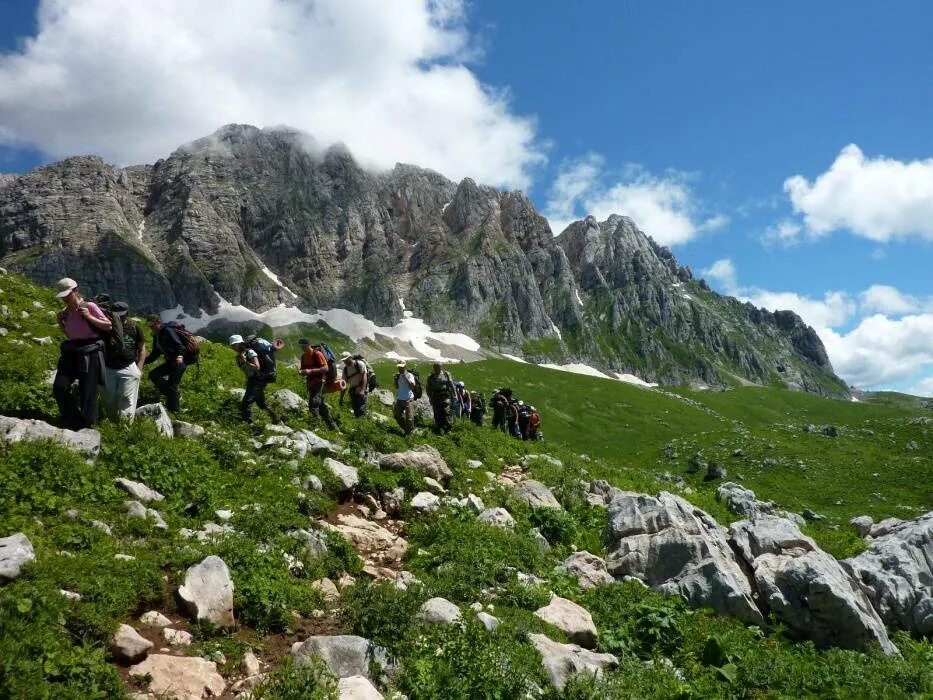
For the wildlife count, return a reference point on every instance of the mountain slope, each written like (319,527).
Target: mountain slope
(262,218)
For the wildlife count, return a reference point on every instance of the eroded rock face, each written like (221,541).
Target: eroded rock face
(896,572)
(677,548)
(208,592)
(181,677)
(86,441)
(376,542)
(561,661)
(424,459)
(807,588)
(15,552)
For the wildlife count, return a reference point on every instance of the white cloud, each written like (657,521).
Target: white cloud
(785,233)
(877,198)
(131,81)
(666,208)
(923,388)
(878,351)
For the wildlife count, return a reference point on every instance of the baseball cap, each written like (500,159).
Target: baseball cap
(345,355)
(66,286)
(236,339)
(400,365)
(304,341)
(120,308)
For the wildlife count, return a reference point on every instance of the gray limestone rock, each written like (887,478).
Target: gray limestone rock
(805,587)
(561,661)
(180,677)
(589,569)
(139,491)
(498,517)
(571,619)
(677,548)
(346,475)
(896,571)
(189,431)
(439,611)
(291,401)
(488,621)
(425,502)
(536,494)
(345,655)
(15,552)
(357,688)
(156,412)
(86,441)
(128,645)
(862,524)
(207,593)
(424,459)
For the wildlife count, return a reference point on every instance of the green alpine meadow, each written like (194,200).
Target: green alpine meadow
(352,573)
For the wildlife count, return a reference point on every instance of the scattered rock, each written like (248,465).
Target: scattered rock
(345,474)
(46,340)
(208,592)
(439,611)
(312,483)
(896,572)
(553,461)
(561,661)
(180,677)
(189,431)
(249,664)
(380,544)
(474,463)
(15,552)
(423,459)
(384,396)
(829,431)
(805,587)
(540,540)
(425,502)
(536,494)
(102,526)
(488,621)
(345,655)
(291,401)
(392,500)
(575,621)
(208,532)
(139,491)
(714,471)
(862,524)
(589,569)
(85,441)
(156,412)
(327,588)
(128,645)
(71,595)
(475,503)
(302,442)
(677,548)
(357,688)
(177,638)
(314,541)
(434,486)
(154,618)
(812,516)
(499,517)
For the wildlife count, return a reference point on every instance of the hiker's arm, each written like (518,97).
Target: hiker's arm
(156,350)
(140,353)
(98,320)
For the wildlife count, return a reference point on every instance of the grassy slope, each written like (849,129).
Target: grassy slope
(53,648)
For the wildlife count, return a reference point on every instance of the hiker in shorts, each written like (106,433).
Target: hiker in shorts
(167,343)
(124,368)
(404,397)
(441,393)
(314,369)
(356,377)
(82,357)
(247,360)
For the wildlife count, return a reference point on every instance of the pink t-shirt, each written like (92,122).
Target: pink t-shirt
(76,328)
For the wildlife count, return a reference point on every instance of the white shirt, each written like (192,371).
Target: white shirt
(405,383)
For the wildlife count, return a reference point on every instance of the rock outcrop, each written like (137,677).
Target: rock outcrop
(85,441)
(561,661)
(180,677)
(208,592)
(15,552)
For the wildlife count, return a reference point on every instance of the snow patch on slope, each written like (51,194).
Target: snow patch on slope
(275,278)
(632,379)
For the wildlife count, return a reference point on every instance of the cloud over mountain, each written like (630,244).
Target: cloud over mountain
(131,80)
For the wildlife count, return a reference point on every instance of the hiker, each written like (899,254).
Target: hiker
(477,408)
(441,393)
(405,384)
(124,366)
(500,405)
(247,359)
(171,341)
(314,367)
(524,420)
(534,422)
(82,356)
(356,378)
(511,416)
(462,401)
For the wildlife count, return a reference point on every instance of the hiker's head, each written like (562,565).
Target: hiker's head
(438,367)
(120,308)
(400,366)
(346,357)
(237,342)
(154,322)
(460,385)
(68,292)
(507,392)
(304,344)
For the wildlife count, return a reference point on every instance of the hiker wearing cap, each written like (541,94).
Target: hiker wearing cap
(441,392)
(124,361)
(314,369)
(534,424)
(355,377)
(173,342)
(463,404)
(405,385)
(247,360)
(82,356)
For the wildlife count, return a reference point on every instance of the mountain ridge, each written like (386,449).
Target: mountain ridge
(261,218)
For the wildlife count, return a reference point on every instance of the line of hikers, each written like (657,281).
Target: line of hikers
(105,351)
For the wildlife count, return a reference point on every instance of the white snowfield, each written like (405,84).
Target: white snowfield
(275,278)
(412,330)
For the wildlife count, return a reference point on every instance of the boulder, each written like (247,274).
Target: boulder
(357,688)
(344,473)
(189,431)
(862,524)
(589,570)
(439,611)
(177,638)
(488,621)
(571,619)
(207,593)
(154,618)
(475,503)
(561,661)
(156,412)
(291,401)
(536,494)
(180,677)
(345,655)
(249,664)
(425,502)
(139,491)
(314,541)
(392,500)
(384,396)
(499,517)
(896,572)
(433,485)
(15,552)
(742,501)
(677,548)
(379,544)
(302,442)
(128,645)
(327,589)
(805,587)
(423,459)
(86,441)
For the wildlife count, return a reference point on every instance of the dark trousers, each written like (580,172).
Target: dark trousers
(318,406)
(442,414)
(358,402)
(166,378)
(498,420)
(82,412)
(255,394)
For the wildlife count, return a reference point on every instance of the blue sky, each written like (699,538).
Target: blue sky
(691,117)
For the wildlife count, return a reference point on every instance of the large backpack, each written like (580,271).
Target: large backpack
(265,353)
(479,403)
(331,363)
(114,339)
(192,350)
(417,388)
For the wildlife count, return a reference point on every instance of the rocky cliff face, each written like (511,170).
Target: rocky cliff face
(261,218)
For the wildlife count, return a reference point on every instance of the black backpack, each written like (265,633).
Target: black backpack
(371,382)
(115,350)
(479,404)
(265,353)
(417,388)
